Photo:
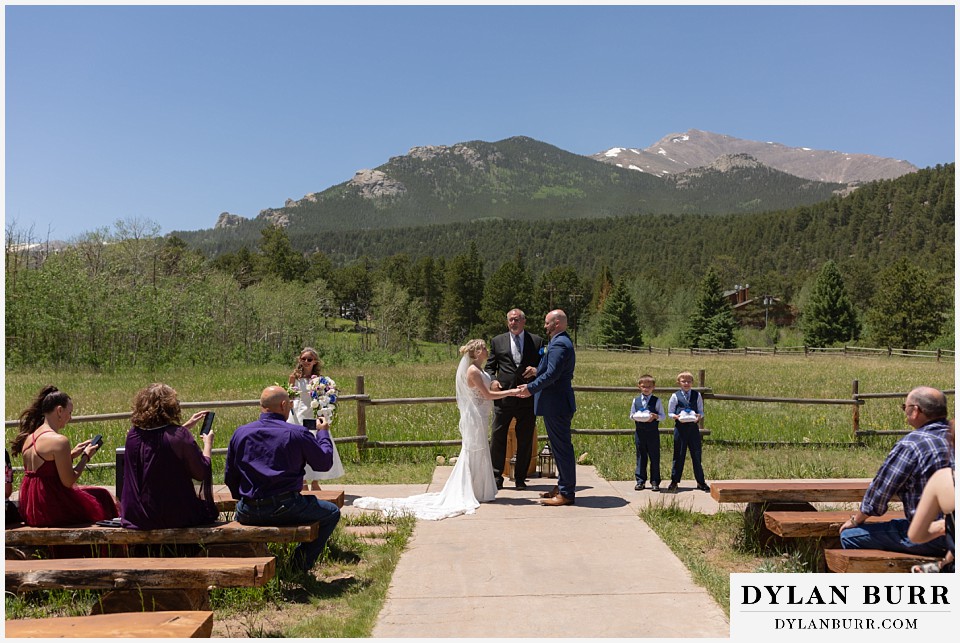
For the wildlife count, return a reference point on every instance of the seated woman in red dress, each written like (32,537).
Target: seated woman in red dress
(49,495)
(161,461)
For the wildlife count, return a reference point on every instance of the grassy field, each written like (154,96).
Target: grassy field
(345,597)
(820,434)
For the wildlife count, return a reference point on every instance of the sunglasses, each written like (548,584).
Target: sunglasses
(907,406)
(307,359)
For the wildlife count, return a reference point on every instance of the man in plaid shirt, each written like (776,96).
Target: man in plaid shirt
(905,472)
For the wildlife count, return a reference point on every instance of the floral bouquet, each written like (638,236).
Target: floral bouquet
(323,396)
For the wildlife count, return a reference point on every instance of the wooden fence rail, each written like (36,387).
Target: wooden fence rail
(363,401)
(807,351)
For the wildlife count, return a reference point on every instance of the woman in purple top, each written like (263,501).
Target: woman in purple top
(161,461)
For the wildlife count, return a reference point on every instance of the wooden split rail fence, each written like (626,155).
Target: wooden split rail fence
(364,403)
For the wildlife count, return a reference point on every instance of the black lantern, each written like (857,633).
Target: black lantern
(545,459)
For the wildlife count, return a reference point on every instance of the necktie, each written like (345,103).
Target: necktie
(517,353)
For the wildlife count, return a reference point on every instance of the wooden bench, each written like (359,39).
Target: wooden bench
(868,561)
(814,524)
(226,502)
(789,496)
(179,624)
(141,584)
(219,538)
(214,533)
(762,491)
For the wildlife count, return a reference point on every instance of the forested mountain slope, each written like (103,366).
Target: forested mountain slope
(519,179)
(912,216)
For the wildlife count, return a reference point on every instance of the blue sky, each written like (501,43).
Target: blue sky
(176,113)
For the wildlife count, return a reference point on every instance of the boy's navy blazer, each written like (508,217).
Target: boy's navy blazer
(553,386)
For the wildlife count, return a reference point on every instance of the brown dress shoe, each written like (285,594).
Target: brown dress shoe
(557,501)
(552,493)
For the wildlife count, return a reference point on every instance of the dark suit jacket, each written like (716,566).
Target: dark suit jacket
(553,388)
(501,367)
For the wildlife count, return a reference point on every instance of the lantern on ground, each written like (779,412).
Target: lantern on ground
(545,459)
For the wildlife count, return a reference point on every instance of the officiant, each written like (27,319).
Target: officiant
(513,360)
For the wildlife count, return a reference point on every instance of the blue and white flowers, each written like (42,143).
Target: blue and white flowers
(323,396)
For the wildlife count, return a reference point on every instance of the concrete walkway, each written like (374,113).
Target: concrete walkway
(518,569)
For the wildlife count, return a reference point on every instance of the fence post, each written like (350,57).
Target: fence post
(856,410)
(939,353)
(361,417)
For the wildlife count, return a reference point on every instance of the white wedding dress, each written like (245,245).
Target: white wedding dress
(471,481)
(301,409)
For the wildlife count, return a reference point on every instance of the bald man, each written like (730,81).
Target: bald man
(265,468)
(905,472)
(554,401)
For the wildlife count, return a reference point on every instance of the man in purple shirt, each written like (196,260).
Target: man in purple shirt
(264,471)
(904,473)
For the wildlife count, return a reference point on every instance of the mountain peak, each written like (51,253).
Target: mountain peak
(694,148)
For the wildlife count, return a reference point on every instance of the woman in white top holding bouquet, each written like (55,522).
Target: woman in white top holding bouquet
(308,406)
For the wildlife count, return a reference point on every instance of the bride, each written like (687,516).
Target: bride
(471,481)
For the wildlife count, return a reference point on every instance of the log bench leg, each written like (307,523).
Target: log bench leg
(152,600)
(754,526)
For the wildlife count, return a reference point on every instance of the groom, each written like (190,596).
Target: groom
(553,399)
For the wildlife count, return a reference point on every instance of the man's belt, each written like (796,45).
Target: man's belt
(272,501)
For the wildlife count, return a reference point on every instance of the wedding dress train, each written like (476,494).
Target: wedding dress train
(471,481)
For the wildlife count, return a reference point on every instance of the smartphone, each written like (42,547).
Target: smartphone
(207,423)
(310,423)
(97,439)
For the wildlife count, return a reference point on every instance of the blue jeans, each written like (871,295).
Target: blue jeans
(890,536)
(297,511)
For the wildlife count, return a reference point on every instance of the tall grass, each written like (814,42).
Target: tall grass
(808,426)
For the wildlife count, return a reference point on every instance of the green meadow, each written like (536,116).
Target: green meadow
(813,440)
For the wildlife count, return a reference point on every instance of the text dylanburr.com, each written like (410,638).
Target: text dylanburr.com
(834,607)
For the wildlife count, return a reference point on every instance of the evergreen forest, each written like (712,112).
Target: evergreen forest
(130,297)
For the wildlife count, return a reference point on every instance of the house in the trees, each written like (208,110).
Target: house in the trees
(758,312)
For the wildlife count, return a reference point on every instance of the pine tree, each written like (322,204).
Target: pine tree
(909,307)
(618,319)
(829,316)
(507,288)
(720,330)
(712,324)
(427,288)
(559,287)
(459,312)
(601,289)
(278,257)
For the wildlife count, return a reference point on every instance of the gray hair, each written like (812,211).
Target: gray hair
(931,402)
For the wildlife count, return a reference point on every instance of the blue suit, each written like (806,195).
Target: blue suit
(554,401)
